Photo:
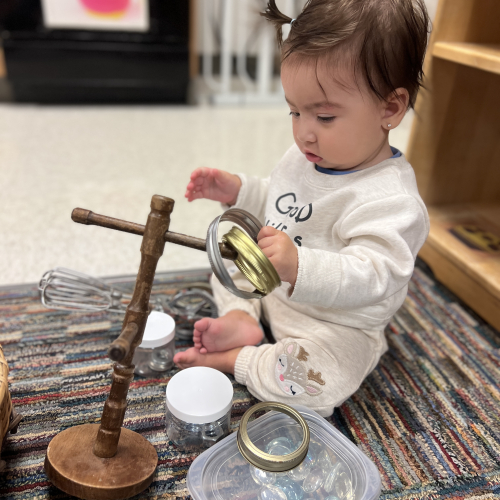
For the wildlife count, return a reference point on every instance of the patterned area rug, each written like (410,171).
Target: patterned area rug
(428,416)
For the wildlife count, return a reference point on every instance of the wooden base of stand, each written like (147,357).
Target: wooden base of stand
(73,468)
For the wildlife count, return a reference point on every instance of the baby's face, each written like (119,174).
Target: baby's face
(340,126)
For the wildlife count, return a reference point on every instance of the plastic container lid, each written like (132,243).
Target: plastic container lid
(199,395)
(160,330)
(222,472)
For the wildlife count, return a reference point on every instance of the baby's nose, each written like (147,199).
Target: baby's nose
(306,135)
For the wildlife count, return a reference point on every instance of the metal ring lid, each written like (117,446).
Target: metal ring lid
(252,262)
(252,226)
(265,461)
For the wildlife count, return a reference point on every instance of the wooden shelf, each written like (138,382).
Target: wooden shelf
(454,150)
(480,56)
(474,275)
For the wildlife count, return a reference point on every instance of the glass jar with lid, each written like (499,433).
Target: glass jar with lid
(198,408)
(156,352)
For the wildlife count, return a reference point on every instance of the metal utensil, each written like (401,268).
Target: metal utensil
(68,290)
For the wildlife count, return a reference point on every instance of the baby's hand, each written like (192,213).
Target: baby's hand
(280,250)
(213,184)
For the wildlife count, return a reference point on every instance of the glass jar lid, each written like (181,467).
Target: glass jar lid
(159,331)
(199,395)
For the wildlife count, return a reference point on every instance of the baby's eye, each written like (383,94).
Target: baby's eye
(326,119)
(294,114)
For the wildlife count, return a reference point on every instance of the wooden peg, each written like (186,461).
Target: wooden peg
(120,347)
(84,216)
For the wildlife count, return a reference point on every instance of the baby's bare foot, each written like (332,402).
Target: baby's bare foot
(235,329)
(190,357)
(223,361)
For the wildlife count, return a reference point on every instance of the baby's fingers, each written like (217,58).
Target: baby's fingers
(193,195)
(266,242)
(200,181)
(266,231)
(200,172)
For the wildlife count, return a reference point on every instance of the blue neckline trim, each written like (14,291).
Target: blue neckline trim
(395,154)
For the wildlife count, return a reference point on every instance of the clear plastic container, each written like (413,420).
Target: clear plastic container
(198,402)
(156,352)
(334,468)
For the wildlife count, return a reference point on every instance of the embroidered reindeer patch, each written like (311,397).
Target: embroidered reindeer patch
(292,375)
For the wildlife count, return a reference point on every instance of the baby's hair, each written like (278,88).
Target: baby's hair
(385,39)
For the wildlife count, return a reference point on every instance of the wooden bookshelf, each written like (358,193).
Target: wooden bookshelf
(485,57)
(455,151)
(472,273)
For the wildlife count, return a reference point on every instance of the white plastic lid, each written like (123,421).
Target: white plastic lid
(199,395)
(160,330)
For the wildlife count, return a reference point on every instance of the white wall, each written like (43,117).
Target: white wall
(431,7)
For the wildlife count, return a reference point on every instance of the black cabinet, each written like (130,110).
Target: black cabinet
(74,66)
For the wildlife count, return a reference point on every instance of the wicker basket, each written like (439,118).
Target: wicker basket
(9,419)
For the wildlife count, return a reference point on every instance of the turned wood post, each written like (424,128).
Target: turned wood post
(153,243)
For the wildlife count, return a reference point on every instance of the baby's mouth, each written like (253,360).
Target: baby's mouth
(312,157)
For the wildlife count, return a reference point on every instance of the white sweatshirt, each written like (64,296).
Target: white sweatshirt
(357,237)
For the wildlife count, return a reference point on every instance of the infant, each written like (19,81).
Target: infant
(343,219)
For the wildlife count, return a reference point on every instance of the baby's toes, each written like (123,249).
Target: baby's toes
(186,359)
(201,326)
(180,359)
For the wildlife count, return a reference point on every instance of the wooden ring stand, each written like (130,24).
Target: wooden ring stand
(107,461)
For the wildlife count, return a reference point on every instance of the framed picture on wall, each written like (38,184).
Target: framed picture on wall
(121,15)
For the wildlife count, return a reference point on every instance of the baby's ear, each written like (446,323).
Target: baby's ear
(394,108)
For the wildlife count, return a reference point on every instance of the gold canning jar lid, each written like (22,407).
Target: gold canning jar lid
(265,461)
(252,262)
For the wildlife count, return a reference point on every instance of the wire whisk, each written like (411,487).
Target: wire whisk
(68,290)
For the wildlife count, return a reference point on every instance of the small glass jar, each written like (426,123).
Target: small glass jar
(198,404)
(156,352)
